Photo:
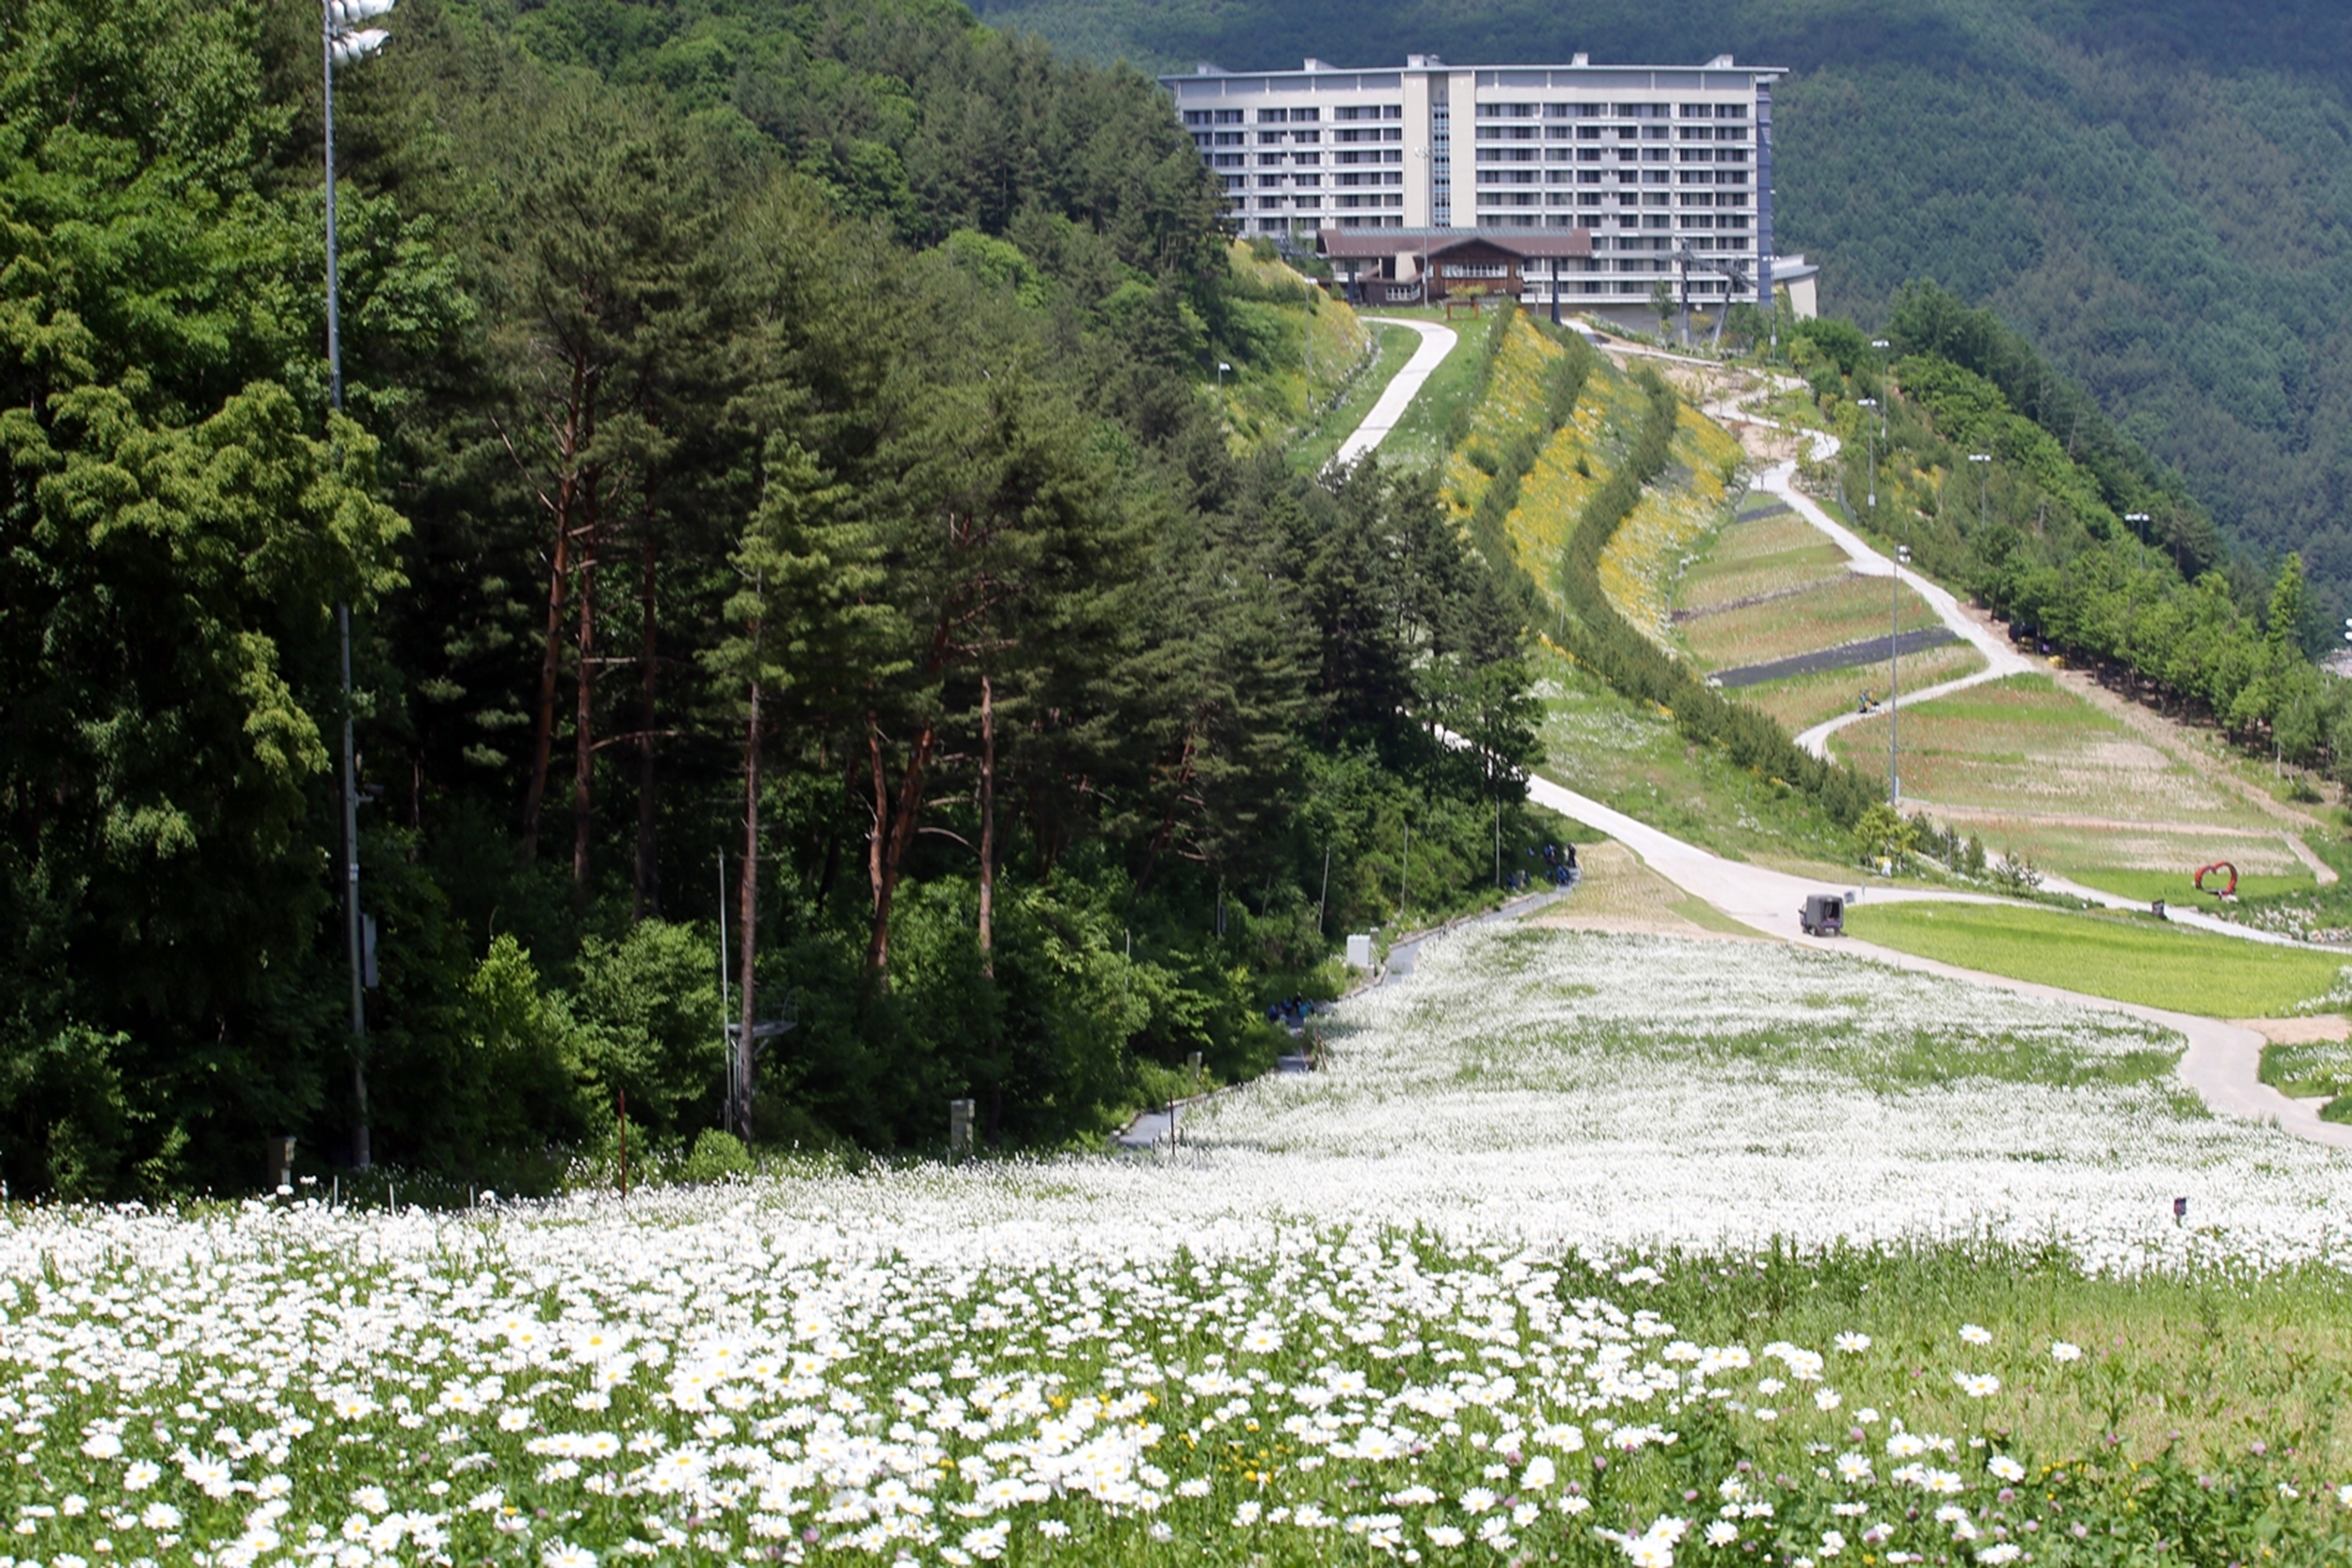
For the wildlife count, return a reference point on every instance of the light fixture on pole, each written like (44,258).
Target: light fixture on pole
(1983,462)
(345,40)
(2139,521)
(1894,671)
(1221,368)
(1872,439)
(1879,403)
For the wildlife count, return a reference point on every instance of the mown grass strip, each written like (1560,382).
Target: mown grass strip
(2121,958)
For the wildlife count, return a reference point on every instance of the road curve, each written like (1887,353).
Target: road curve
(2000,659)
(1435,343)
(2222,1063)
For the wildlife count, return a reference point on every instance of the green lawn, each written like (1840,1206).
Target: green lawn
(2178,887)
(1396,346)
(2128,959)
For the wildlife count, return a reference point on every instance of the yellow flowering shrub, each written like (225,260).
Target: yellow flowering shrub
(1640,560)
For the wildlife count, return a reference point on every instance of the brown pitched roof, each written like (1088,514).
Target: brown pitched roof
(1437,242)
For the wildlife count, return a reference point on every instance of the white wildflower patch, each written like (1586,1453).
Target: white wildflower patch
(1397,1307)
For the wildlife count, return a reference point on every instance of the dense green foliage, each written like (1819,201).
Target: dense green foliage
(2085,543)
(2154,192)
(782,429)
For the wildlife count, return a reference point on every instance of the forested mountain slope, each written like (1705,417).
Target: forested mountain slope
(2157,193)
(791,432)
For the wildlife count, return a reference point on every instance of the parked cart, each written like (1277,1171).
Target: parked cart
(1823,915)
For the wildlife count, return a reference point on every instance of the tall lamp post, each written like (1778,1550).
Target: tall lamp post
(1982,463)
(2139,521)
(1871,438)
(345,40)
(1894,671)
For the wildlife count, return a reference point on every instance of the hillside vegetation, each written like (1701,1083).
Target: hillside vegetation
(785,472)
(2155,193)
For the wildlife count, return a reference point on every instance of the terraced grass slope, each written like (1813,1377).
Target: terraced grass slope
(2034,769)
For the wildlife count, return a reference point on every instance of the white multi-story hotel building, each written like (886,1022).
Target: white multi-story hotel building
(1667,168)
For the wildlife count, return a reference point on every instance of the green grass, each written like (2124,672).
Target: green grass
(1630,756)
(2177,887)
(2310,1070)
(2124,958)
(1418,440)
(1316,449)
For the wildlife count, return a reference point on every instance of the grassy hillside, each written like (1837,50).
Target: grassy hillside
(2157,193)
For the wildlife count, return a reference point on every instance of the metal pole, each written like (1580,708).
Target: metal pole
(727,1003)
(360,1151)
(1894,674)
(1321,899)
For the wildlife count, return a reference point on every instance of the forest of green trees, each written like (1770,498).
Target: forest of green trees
(783,430)
(2157,193)
(2003,479)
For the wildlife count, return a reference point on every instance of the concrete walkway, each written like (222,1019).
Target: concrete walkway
(1435,343)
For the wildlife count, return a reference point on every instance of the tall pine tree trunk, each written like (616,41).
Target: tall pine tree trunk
(747,909)
(551,658)
(988,827)
(645,890)
(894,823)
(574,487)
(583,718)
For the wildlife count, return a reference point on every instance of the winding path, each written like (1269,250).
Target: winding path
(2222,1063)
(1435,343)
(2223,1060)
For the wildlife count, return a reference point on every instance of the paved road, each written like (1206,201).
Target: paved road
(1435,343)
(1870,650)
(2222,1061)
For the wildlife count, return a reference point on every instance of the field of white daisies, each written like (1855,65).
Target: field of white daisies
(1584,1249)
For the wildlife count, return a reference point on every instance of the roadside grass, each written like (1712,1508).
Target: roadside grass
(1840,610)
(2306,1069)
(2180,886)
(1290,354)
(2024,746)
(1418,440)
(1630,756)
(1801,702)
(2123,958)
(1396,346)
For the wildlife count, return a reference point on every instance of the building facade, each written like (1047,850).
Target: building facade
(1667,168)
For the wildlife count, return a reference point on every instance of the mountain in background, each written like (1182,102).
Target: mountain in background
(2157,193)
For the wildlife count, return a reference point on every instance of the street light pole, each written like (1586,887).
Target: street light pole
(342,39)
(1894,671)
(2141,521)
(1870,439)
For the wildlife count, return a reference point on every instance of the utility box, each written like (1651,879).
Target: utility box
(959,1127)
(1359,950)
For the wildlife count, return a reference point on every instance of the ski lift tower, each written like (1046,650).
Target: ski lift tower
(1688,262)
